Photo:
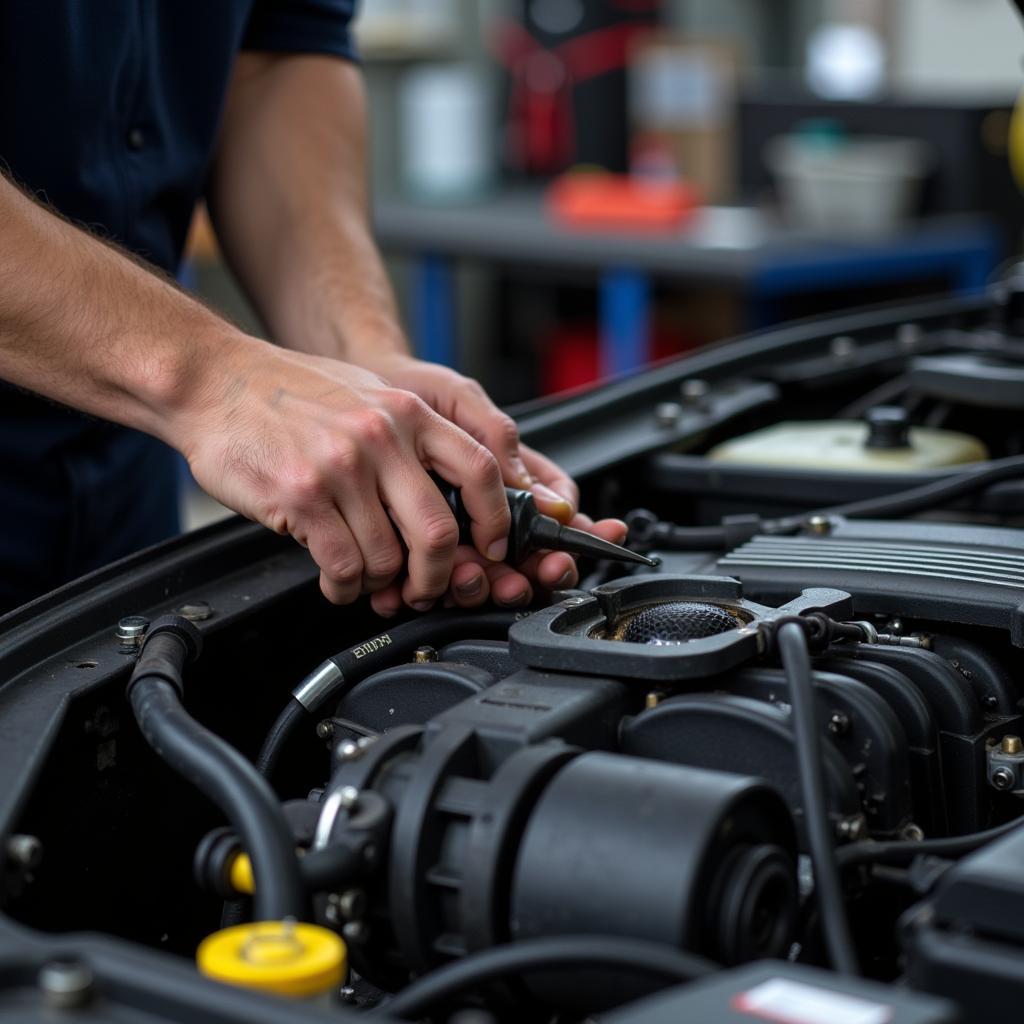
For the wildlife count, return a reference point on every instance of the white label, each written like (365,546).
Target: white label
(792,1002)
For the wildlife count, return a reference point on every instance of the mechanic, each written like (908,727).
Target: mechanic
(115,119)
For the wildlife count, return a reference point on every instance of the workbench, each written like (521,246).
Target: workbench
(740,247)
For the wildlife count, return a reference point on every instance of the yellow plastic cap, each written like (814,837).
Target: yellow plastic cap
(240,874)
(281,957)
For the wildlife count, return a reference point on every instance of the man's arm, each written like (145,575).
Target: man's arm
(289,201)
(305,445)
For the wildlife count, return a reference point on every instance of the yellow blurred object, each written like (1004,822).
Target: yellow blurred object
(1017,142)
(281,957)
(240,874)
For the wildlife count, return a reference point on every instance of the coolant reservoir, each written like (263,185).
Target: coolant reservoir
(883,443)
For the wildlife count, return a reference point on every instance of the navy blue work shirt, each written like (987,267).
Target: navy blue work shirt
(109,110)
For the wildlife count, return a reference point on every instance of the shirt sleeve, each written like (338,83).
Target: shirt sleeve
(302,26)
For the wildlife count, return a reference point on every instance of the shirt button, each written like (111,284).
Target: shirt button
(136,138)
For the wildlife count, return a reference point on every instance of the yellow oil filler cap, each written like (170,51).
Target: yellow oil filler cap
(282,957)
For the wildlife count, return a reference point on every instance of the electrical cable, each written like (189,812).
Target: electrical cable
(214,767)
(538,955)
(342,671)
(903,851)
(796,662)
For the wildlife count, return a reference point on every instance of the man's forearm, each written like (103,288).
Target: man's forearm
(289,201)
(82,323)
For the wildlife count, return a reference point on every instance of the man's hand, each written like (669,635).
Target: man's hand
(332,455)
(464,402)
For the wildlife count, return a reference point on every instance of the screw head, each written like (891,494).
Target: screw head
(666,414)
(1011,744)
(356,933)
(913,832)
(349,750)
(820,525)
(1002,778)
(842,347)
(325,729)
(348,797)
(694,389)
(852,827)
(423,655)
(352,904)
(65,984)
(196,611)
(839,723)
(131,630)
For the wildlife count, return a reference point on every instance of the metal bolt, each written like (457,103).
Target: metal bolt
(908,335)
(24,850)
(424,654)
(852,827)
(347,994)
(356,933)
(839,723)
(820,525)
(65,984)
(131,631)
(694,390)
(842,347)
(1002,778)
(348,797)
(1011,744)
(196,611)
(894,626)
(325,729)
(349,750)
(913,832)
(653,699)
(352,904)
(573,602)
(666,414)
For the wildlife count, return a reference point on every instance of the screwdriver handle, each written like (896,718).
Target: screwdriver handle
(520,504)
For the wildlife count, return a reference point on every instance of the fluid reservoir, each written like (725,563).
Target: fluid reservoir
(883,442)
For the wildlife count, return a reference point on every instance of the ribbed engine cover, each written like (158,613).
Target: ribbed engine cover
(951,573)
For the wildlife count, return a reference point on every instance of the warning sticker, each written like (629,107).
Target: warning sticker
(793,1002)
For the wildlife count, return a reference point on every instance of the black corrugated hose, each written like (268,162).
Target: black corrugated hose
(214,767)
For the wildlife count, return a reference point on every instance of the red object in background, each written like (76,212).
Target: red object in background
(619,202)
(571,358)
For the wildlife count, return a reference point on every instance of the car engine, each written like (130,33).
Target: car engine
(779,776)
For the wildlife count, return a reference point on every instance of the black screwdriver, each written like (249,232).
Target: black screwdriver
(531,530)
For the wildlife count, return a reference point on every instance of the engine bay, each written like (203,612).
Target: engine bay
(783,768)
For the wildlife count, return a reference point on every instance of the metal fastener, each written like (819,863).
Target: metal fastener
(423,655)
(573,602)
(1011,744)
(24,850)
(694,390)
(666,414)
(196,611)
(349,750)
(653,699)
(820,525)
(325,729)
(852,827)
(842,347)
(66,984)
(352,904)
(913,832)
(131,631)
(1002,778)
(356,933)
(839,723)
(348,797)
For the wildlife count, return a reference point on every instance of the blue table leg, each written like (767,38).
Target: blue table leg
(625,327)
(434,310)
(974,269)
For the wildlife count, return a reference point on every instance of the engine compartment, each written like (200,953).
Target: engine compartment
(624,766)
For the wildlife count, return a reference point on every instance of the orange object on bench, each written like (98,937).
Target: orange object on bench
(618,202)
